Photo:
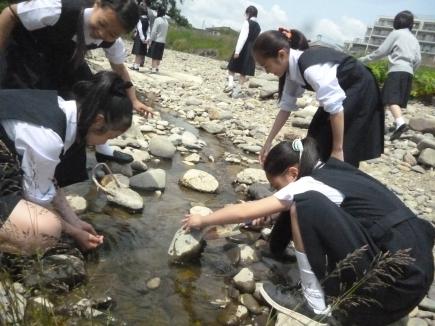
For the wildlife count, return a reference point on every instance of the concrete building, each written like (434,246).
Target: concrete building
(424,30)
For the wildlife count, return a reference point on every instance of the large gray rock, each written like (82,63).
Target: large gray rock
(423,124)
(59,272)
(426,143)
(252,175)
(244,281)
(200,181)
(259,191)
(219,114)
(427,157)
(161,146)
(186,245)
(189,140)
(150,180)
(213,127)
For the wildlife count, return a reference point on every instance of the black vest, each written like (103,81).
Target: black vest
(254,30)
(320,55)
(365,198)
(41,107)
(43,58)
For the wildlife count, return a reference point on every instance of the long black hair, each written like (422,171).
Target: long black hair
(104,94)
(282,156)
(127,12)
(268,44)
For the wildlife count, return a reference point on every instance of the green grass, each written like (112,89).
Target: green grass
(424,79)
(200,42)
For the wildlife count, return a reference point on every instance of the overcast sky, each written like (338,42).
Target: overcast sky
(337,20)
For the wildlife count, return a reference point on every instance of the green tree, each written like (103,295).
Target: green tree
(172,10)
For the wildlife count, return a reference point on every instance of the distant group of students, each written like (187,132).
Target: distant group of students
(153,31)
(327,207)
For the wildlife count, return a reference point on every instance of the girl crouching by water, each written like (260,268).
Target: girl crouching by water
(32,146)
(333,210)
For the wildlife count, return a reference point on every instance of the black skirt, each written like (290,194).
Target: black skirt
(397,88)
(363,117)
(156,50)
(139,48)
(245,63)
(332,234)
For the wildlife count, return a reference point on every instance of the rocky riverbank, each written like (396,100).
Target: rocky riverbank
(190,87)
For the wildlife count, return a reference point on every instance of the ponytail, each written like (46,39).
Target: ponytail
(104,94)
(297,41)
(286,154)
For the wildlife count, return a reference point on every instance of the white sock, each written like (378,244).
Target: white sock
(230,80)
(311,287)
(399,121)
(104,149)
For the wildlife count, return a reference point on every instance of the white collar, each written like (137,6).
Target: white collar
(294,73)
(253,18)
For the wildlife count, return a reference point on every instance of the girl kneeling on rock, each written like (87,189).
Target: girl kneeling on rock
(334,210)
(32,146)
(349,124)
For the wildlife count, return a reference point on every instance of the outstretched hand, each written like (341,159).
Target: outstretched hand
(192,221)
(143,109)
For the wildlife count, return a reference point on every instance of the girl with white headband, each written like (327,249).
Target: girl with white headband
(330,210)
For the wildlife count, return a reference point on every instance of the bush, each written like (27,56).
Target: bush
(423,85)
(202,42)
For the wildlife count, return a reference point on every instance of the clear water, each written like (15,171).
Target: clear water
(135,250)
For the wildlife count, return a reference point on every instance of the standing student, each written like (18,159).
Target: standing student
(334,209)
(242,61)
(32,148)
(349,124)
(403,52)
(140,41)
(158,39)
(45,41)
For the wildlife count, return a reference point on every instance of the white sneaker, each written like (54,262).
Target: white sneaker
(228,88)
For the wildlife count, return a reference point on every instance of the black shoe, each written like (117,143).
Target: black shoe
(292,302)
(118,157)
(399,131)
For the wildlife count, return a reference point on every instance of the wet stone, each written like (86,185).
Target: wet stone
(249,302)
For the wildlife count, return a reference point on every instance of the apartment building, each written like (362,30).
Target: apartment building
(424,30)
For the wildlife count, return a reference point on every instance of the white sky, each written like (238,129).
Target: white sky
(335,20)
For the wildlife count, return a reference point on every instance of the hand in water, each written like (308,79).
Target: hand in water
(88,241)
(192,221)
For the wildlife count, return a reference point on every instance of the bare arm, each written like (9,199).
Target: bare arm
(237,213)
(8,22)
(280,120)
(337,126)
(141,108)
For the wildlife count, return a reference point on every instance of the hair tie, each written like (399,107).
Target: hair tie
(287,33)
(119,87)
(298,147)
